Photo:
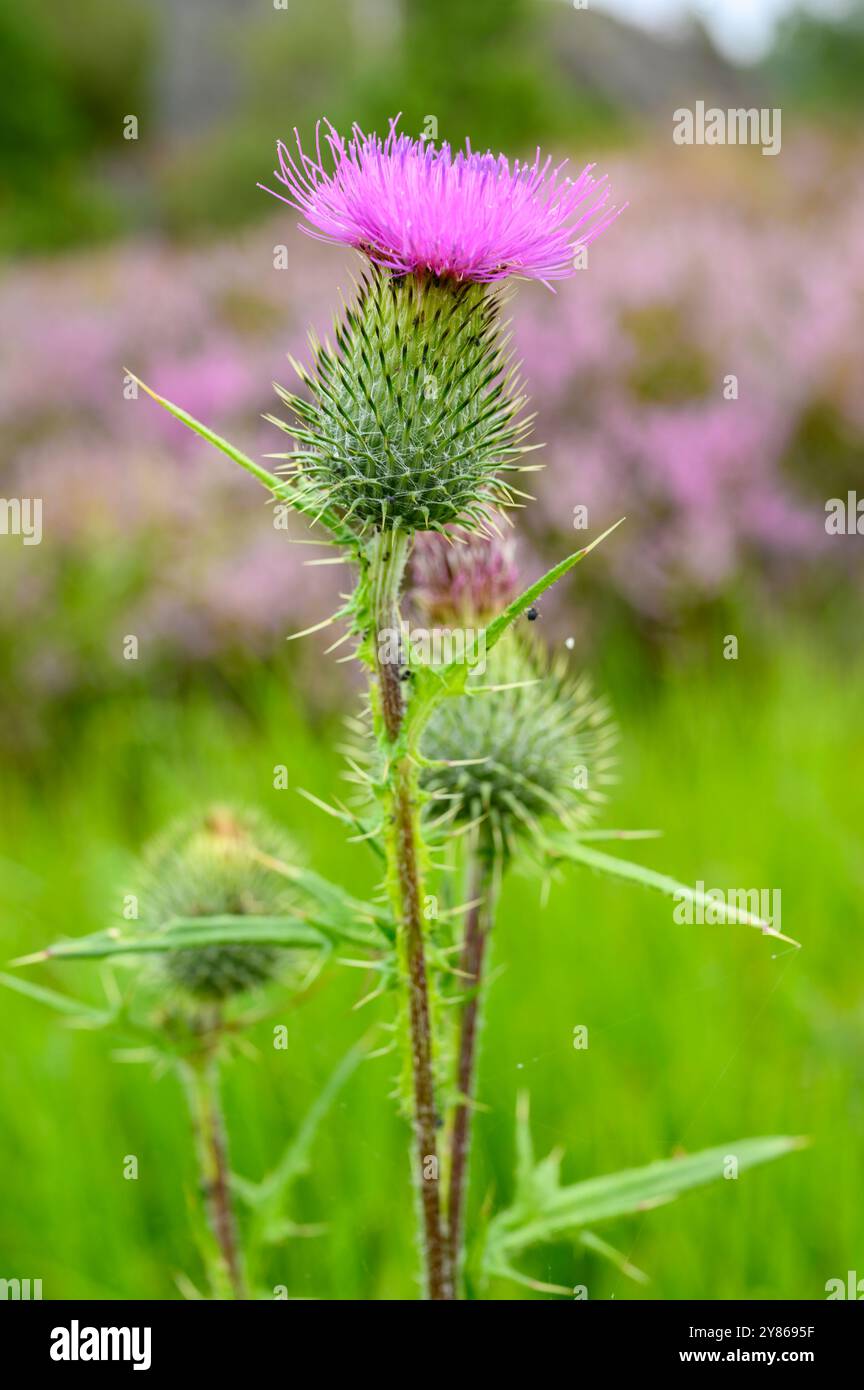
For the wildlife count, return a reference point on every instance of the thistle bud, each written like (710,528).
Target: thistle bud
(209,865)
(509,758)
(414,417)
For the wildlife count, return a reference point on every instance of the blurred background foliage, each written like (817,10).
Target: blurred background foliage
(158,255)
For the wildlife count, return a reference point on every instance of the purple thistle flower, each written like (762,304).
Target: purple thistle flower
(457,575)
(413,208)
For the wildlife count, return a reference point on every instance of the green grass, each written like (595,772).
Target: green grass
(697,1035)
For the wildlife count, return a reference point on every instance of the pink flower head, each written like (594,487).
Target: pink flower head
(412,207)
(457,575)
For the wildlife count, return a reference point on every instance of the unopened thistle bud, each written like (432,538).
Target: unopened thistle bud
(210,865)
(535,743)
(462,577)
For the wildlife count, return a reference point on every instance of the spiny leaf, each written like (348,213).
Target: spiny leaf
(433,684)
(337,911)
(572,849)
(635,1189)
(364,830)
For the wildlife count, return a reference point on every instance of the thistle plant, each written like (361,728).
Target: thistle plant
(223,913)
(412,421)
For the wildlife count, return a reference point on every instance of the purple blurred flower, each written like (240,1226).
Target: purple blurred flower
(412,207)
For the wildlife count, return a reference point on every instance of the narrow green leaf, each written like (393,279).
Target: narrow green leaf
(544,1211)
(307,505)
(55,1000)
(296,1159)
(633,1190)
(579,853)
(338,912)
(615,1257)
(347,913)
(186,932)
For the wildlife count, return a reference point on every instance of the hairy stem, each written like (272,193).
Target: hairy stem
(201,1075)
(478,924)
(405,879)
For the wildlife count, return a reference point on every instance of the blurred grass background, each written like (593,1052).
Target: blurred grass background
(753,769)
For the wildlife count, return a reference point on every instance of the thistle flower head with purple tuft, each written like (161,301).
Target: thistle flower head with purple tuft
(415,208)
(416,415)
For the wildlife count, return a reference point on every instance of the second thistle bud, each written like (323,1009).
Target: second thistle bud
(211,865)
(535,744)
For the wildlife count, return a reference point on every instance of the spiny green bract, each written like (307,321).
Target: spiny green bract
(414,415)
(545,748)
(207,866)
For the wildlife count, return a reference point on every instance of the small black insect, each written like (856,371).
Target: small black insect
(532,615)
(404,675)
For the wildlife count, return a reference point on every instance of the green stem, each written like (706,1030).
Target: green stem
(201,1076)
(387,564)
(478,924)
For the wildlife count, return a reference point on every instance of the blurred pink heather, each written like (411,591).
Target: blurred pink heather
(457,575)
(412,207)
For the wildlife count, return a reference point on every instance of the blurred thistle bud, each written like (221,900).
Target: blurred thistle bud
(507,759)
(415,416)
(456,576)
(209,865)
